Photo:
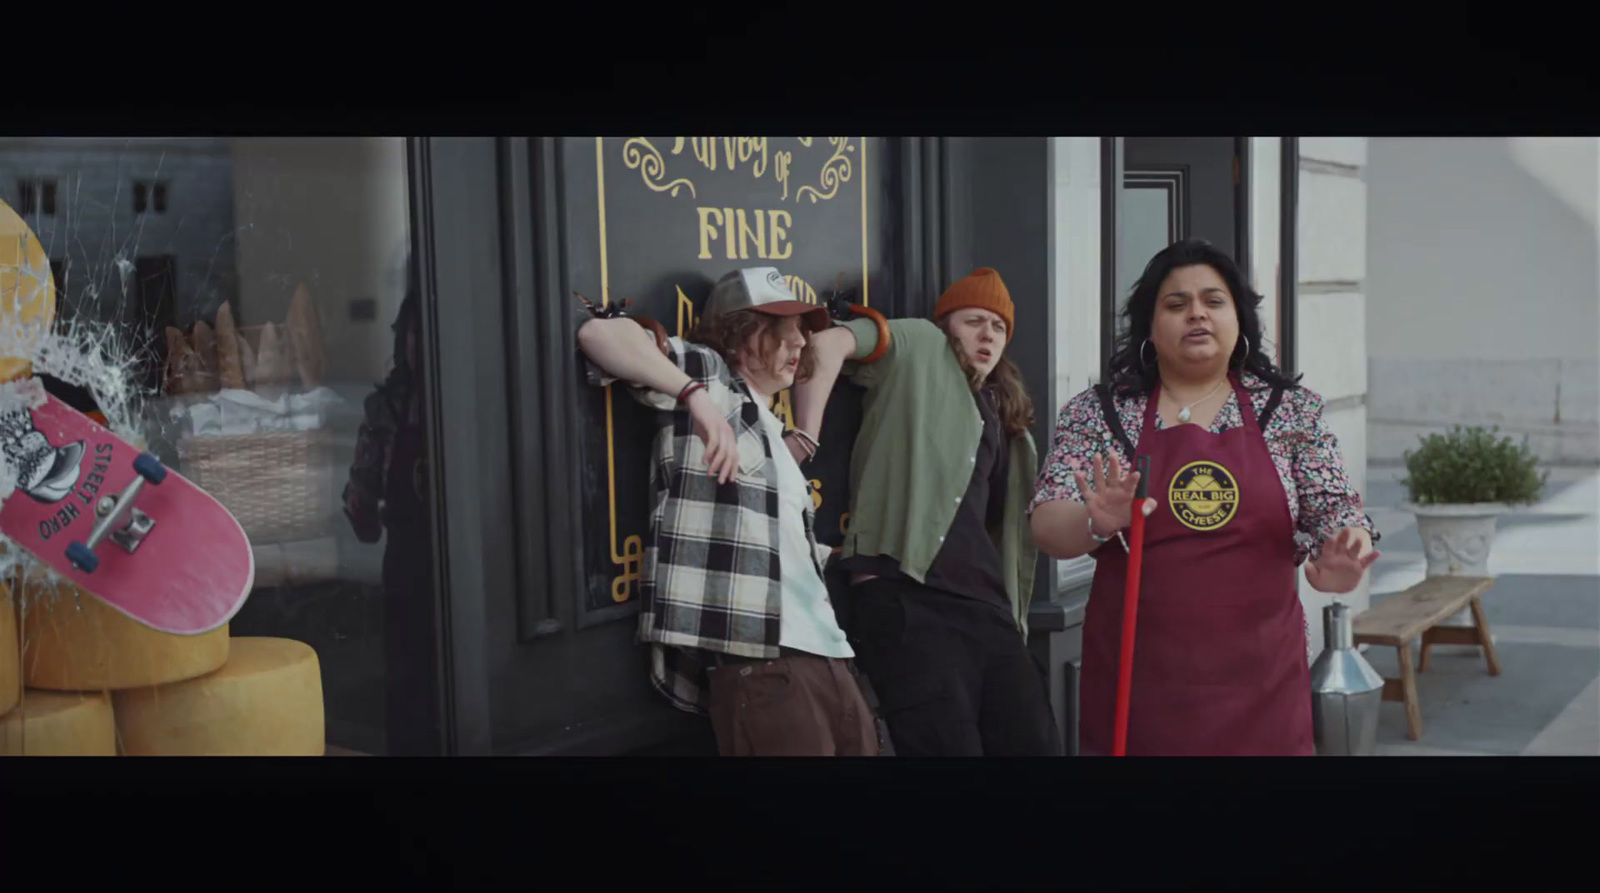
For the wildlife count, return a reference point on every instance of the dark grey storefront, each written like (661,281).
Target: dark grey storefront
(542,481)
(536,506)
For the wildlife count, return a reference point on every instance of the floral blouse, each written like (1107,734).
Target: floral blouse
(1322,500)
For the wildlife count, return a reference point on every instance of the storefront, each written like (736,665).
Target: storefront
(490,607)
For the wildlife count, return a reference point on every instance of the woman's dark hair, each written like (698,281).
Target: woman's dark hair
(1131,375)
(400,384)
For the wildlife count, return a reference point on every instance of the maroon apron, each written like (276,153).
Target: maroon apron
(1219,663)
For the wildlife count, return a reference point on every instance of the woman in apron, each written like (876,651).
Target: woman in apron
(1246,483)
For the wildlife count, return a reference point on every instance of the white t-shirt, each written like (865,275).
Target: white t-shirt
(807,623)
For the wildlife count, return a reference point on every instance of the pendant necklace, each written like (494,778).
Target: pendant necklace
(1183,414)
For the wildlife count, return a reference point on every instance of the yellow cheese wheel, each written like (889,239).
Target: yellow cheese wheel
(10,659)
(72,641)
(265,701)
(27,291)
(60,724)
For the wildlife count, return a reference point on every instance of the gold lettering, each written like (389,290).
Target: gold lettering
(686,317)
(801,289)
(780,169)
(816,495)
(783,408)
(708,233)
(756,150)
(750,146)
(778,235)
(760,232)
(705,151)
(733,227)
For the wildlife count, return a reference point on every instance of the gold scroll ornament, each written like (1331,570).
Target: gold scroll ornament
(835,171)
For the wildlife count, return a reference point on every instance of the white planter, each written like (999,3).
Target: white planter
(1456,538)
(1456,541)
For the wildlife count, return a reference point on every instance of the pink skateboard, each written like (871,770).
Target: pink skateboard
(120,525)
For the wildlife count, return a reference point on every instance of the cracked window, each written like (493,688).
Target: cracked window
(27,197)
(250,303)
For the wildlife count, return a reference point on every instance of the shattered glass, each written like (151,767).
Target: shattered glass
(303,244)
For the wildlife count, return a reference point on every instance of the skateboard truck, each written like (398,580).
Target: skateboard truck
(111,509)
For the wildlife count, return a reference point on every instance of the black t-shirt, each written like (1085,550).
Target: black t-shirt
(968,561)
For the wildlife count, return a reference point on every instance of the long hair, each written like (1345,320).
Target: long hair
(400,385)
(728,333)
(1011,400)
(1132,375)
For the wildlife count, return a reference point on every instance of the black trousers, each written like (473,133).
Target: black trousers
(953,675)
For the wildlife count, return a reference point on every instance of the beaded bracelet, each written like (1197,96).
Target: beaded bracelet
(690,388)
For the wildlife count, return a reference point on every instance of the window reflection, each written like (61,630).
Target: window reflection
(260,289)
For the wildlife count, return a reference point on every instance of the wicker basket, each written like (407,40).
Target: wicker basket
(279,484)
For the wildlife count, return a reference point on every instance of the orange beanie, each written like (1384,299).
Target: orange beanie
(983,289)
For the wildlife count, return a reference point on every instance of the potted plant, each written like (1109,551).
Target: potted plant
(1459,483)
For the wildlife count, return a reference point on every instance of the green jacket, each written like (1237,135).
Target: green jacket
(913,457)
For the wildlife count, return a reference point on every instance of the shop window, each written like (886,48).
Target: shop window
(27,197)
(251,377)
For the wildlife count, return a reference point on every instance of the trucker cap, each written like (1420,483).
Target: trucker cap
(762,289)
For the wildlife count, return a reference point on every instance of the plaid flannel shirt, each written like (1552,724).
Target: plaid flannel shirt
(710,580)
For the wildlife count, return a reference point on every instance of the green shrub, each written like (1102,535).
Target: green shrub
(1470,465)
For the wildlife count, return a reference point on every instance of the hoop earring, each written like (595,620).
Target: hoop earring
(1246,358)
(1142,345)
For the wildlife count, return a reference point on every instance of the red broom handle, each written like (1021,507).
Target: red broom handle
(1130,609)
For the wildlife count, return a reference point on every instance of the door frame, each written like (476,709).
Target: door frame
(1288,252)
(1112,167)
(449,236)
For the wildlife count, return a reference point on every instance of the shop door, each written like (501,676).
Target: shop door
(655,221)
(1173,189)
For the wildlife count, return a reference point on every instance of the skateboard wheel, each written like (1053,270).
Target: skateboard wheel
(82,558)
(150,468)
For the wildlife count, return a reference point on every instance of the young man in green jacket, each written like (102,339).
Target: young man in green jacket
(938,549)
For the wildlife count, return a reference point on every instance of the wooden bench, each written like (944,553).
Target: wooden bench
(1418,611)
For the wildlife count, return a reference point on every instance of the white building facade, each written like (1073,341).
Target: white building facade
(1485,279)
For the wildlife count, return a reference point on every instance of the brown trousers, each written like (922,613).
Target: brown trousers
(799,705)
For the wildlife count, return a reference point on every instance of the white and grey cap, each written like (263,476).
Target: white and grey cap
(762,289)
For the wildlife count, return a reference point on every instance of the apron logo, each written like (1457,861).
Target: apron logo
(1203,496)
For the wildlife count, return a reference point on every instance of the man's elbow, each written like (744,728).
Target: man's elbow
(834,345)
(593,334)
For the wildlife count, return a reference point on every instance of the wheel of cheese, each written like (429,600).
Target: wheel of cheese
(10,666)
(72,641)
(60,724)
(27,291)
(265,701)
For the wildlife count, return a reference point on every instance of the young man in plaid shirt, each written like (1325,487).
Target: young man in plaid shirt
(735,610)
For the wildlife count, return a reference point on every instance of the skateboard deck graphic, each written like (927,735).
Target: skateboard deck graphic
(190,567)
